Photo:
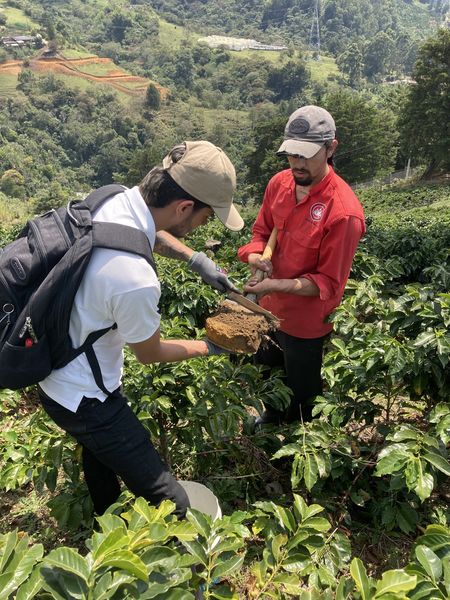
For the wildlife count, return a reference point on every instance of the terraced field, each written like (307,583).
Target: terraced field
(90,68)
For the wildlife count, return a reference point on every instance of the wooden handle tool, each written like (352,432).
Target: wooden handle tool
(266,255)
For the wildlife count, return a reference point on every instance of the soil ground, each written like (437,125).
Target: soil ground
(235,328)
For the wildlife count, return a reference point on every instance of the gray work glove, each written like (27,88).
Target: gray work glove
(210,272)
(214,349)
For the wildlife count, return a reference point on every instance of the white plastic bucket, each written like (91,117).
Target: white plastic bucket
(201,498)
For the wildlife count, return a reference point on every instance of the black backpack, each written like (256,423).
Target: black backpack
(40,273)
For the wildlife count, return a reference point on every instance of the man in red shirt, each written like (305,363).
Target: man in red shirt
(319,222)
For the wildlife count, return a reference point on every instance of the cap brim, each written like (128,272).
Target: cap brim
(229,217)
(300,148)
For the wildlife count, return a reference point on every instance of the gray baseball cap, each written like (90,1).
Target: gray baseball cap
(306,131)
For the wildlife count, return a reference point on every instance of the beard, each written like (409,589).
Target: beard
(304,180)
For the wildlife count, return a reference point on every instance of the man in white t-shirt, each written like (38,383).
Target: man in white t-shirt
(195,181)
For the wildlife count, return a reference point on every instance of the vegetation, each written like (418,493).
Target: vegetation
(354,504)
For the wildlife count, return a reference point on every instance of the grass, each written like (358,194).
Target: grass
(321,69)
(13,211)
(134,85)
(17,20)
(73,53)
(100,69)
(8,83)
(233,118)
(175,36)
(269,55)
(80,83)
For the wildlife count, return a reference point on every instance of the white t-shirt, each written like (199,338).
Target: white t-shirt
(117,287)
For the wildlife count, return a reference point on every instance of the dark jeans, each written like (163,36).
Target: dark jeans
(116,444)
(301,360)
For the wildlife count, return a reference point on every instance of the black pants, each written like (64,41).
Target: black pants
(301,360)
(116,444)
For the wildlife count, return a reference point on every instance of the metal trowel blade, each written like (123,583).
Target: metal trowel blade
(243,301)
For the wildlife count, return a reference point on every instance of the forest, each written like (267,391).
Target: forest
(351,505)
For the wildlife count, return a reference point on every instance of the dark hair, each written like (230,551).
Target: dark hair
(330,159)
(159,189)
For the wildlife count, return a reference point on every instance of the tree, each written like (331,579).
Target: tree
(367,135)
(425,120)
(288,80)
(350,62)
(152,97)
(378,55)
(12,183)
(184,69)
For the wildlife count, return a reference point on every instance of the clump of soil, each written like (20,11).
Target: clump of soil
(236,328)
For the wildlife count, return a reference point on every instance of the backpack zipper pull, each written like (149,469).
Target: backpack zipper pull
(28,327)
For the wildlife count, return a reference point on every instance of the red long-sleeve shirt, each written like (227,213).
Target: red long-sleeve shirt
(317,239)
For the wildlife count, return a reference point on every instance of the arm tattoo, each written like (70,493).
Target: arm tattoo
(170,247)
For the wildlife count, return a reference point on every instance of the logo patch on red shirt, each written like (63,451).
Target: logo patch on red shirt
(317,211)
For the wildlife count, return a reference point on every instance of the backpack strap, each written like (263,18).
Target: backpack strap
(80,212)
(112,236)
(122,237)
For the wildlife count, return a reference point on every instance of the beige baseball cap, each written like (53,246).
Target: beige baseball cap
(207,174)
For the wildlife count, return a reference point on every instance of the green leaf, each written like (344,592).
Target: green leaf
(391,459)
(112,541)
(68,560)
(394,582)
(317,523)
(228,566)
(418,480)
(223,592)
(176,594)
(425,338)
(429,561)
(160,556)
(197,550)
(446,568)
(438,461)
(289,581)
(126,561)
(310,471)
(200,521)
(276,544)
(285,517)
(8,543)
(31,587)
(22,570)
(406,433)
(108,585)
(297,562)
(183,530)
(359,574)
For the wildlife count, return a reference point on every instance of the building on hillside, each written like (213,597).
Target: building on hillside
(21,41)
(238,44)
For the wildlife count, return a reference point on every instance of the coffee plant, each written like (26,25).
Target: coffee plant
(306,505)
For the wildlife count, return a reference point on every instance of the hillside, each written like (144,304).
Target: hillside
(291,20)
(79,72)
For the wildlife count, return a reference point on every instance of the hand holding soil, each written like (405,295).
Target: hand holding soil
(261,288)
(257,262)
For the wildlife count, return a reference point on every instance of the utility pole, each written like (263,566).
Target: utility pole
(408,168)
(314,34)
